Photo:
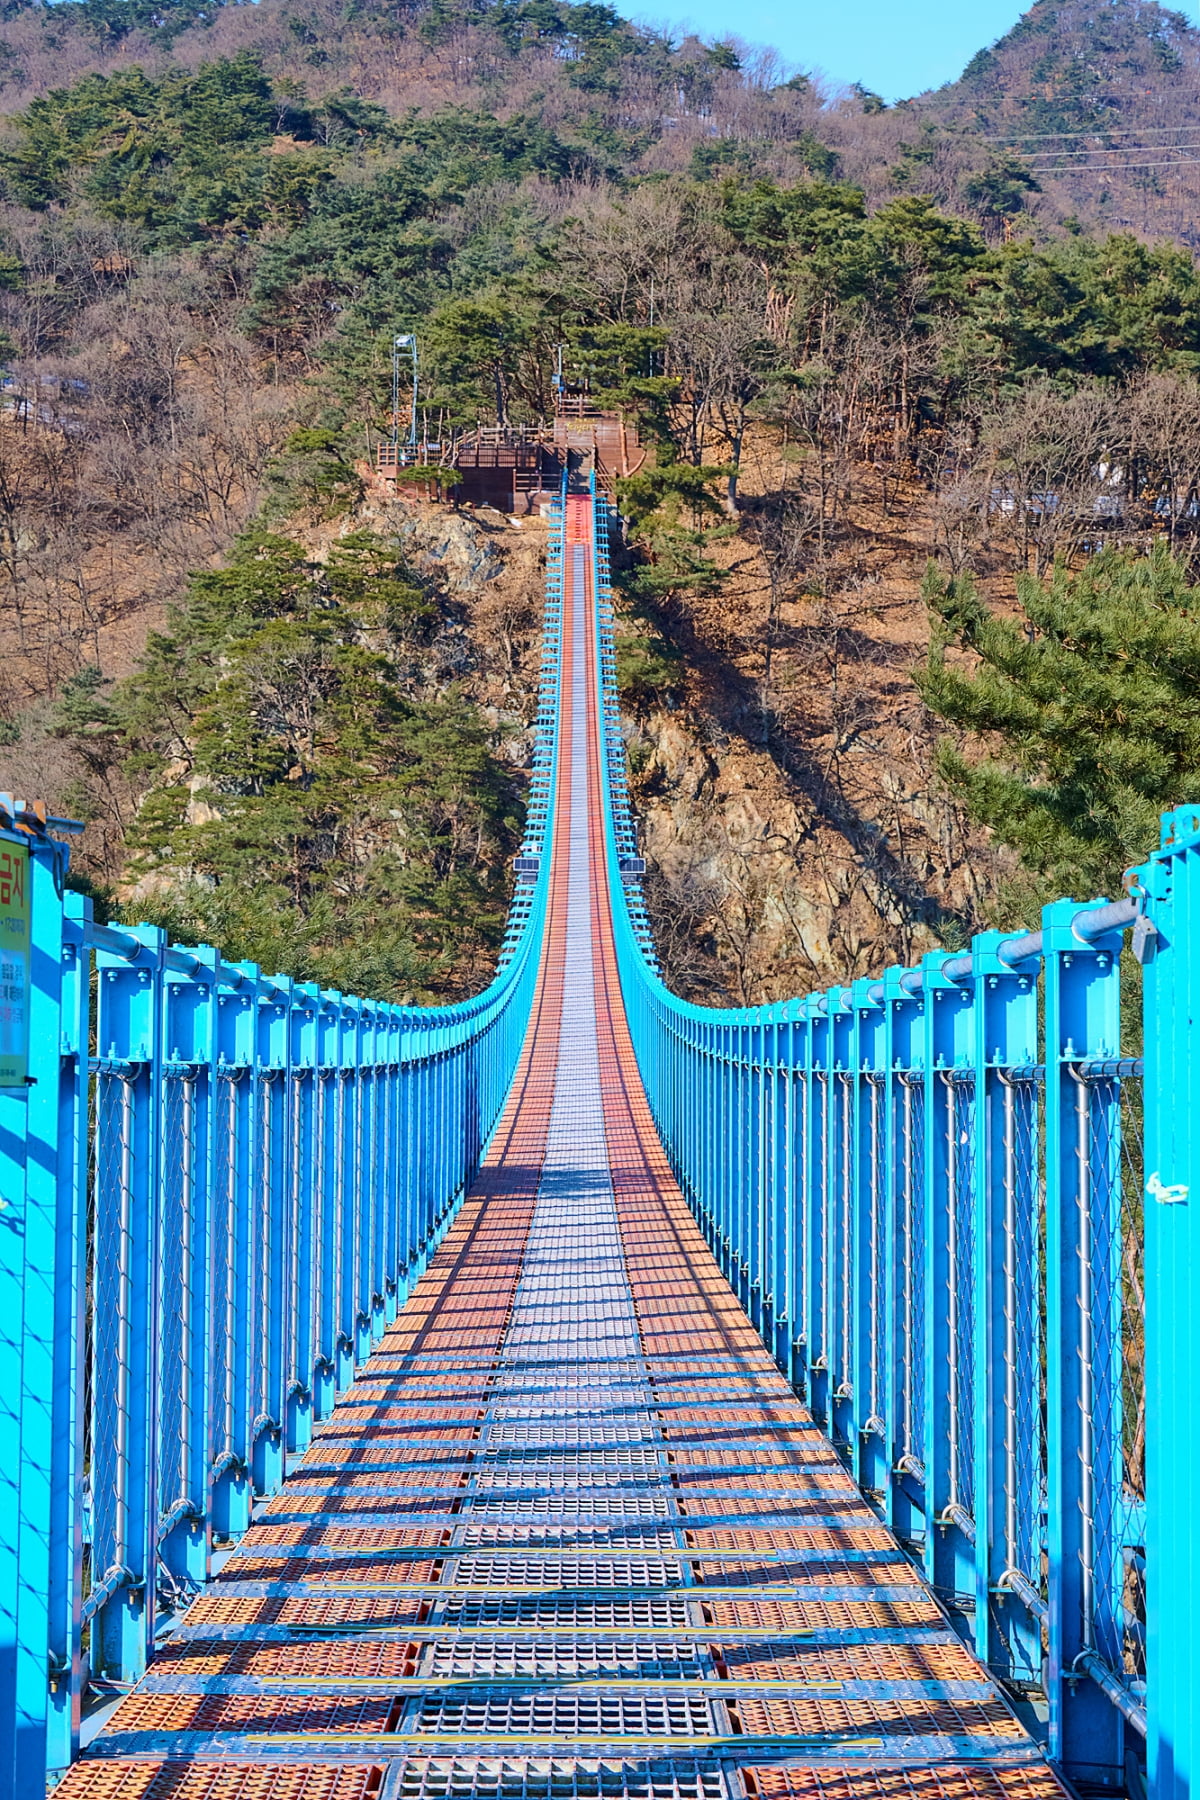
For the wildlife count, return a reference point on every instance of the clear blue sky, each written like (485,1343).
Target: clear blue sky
(895,47)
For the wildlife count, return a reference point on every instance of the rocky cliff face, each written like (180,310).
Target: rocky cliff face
(796,831)
(795,837)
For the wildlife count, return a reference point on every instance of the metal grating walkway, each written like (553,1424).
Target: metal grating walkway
(570,1535)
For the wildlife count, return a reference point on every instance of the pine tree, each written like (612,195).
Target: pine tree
(1087,703)
(301,808)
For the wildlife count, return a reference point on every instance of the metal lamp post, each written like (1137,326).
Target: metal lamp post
(405,341)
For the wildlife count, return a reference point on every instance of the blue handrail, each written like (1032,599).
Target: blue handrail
(927,1192)
(216,1188)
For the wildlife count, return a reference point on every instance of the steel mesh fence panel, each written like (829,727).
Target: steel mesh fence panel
(962,1285)
(182,1287)
(910,1282)
(1023,1317)
(1133,1376)
(1100,1309)
(871,1405)
(842,1313)
(110,1366)
(224,1264)
(1112,1292)
(817,1273)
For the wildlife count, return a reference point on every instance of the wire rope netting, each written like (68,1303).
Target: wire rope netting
(225,1264)
(1111,1289)
(178,1274)
(910,1271)
(960,1178)
(875,1249)
(113,1343)
(1024,1324)
(843,1312)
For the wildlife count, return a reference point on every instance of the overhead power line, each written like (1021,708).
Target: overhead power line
(1028,137)
(1178,162)
(1123,149)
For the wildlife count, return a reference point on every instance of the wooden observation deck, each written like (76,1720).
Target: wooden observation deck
(516,468)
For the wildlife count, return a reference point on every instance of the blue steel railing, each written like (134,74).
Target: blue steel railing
(928,1192)
(216,1188)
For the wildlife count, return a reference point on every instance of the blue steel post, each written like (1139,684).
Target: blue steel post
(735,1125)
(1082,1022)
(13,1126)
(703,1197)
(740,1136)
(905,1366)
(371,1287)
(734,1174)
(346,1201)
(306,1178)
(1172,1223)
(129,1034)
(949,1551)
(870,1302)
(70,1285)
(978,1275)
(731,1198)
(35,1526)
(891,1175)
(190,1046)
(1005,1037)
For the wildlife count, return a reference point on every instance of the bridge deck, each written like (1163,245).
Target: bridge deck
(570,1533)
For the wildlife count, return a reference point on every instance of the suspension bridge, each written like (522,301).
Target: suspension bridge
(579,1393)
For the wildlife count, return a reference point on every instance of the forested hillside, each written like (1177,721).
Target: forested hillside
(852,337)
(1091,110)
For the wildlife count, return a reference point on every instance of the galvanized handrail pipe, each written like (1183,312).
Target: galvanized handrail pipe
(1131,1709)
(1090,923)
(111,1582)
(1087,1453)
